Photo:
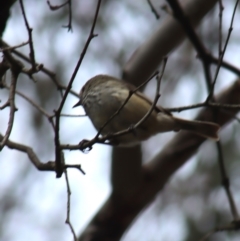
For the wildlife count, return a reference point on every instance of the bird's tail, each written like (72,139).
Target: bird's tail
(202,128)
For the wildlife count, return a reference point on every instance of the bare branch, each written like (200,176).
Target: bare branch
(179,14)
(30,40)
(56,7)
(225,65)
(205,104)
(49,166)
(14,47)
(68,115)
(10,103)
(77,166)
(58,112)
(226,183)
(69,25)
(154,11)
(157,95)
(68,221)
(222,55)
(221,8)
(34,104)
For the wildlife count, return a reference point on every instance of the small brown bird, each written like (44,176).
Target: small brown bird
(103,95)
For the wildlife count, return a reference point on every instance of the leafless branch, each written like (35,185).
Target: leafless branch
(226,183)
(157,95)
(30,40)
(49,166)
(14,47)
(153,9)
(69,25)
(221,8)
(56,7)
(44,70)
(179,14)
(68,221)
(77,166)
(38,107)
(11,103)
(225,65)
(68,115)
(28,60)
(222,55)
(58,111)
(205,104)
(204,55)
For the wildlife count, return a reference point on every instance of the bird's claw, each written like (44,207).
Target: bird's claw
(84,145)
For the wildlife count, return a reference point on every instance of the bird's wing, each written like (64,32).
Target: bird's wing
(138,93)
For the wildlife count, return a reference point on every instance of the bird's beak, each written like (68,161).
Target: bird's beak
(77,104)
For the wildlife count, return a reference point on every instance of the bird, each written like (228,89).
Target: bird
(103,95)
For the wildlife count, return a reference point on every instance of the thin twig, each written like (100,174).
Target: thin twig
(204,104)
(46,71)
(40,67)
(77,166)
(14,47)
(49,166)
(12,107)
(225,65)
(5,105)
(16,67)
(221,8)
(157,95)
(69,25)
(31,54)
(226,183)
(38,107)
(207,73)
(222,55)
(59,169)
(153,9)
(69,115)
(191,33)
(68,221)
(56,7)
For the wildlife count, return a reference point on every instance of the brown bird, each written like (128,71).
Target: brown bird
(103,95)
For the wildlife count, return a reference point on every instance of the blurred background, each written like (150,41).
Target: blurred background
(33,203)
